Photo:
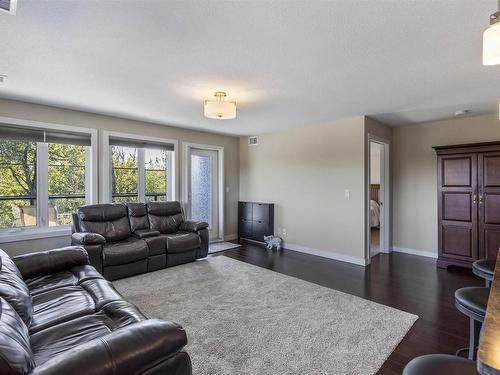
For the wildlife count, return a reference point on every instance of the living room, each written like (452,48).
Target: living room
(187,187)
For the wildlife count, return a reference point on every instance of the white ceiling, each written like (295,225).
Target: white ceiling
(286,63)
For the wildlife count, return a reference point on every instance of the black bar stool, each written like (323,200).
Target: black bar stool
(440,364)
(472,302)
(484,268)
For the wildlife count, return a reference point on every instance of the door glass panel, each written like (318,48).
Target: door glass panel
(201,189)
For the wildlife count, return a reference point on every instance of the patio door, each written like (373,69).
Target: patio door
(203,188)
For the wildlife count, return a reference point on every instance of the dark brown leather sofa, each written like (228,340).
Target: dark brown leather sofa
(58,315)
(125,239)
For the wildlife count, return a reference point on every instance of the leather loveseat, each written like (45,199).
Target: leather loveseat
(58,315)
(124,239)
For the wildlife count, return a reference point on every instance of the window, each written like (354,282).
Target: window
(17,183)
(66,181)
(141,171)
(125,174)
(156,174)
(44,176)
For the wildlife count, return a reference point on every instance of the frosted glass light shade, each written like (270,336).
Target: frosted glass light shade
(220,110)
(491,45)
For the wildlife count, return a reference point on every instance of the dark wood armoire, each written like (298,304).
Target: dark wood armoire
(468,184)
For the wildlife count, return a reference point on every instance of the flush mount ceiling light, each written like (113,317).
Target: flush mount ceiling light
(219,109)
(491,40)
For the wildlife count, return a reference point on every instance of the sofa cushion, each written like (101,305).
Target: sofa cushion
(182,241)
(50,261)
(13,288)
(138,216)
(130,250)
(16,356)
(60,305)
(108,220)
(157,245)
(165,217)
(72,277)
(62,337)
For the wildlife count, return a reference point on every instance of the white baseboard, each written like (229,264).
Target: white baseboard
(325,254)
(230,237)
(422,253)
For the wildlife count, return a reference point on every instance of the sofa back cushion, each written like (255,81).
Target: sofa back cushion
(13,288)
(109,220)
(165,217)
(16,356)
(137,216)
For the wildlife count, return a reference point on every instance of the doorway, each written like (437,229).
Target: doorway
(203,184)
(378,197)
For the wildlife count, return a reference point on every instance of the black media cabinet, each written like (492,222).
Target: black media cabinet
(255,220)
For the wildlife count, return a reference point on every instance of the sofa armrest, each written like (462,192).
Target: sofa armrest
(130,350)
(87,238)
(145,233)
(193,226)
(46,262)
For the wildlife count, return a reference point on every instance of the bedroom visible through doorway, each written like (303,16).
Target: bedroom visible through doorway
(378,193)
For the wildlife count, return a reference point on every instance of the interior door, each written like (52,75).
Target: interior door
(489,204)
(457,200)
(203,189)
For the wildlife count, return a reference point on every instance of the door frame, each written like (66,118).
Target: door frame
(385,187)
(186,147)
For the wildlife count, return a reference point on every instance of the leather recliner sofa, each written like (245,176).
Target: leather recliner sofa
(125,239)
(58,315)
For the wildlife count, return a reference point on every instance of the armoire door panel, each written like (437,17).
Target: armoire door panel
(457,241)
(457,206)
(491,167)
(457,171)
(491,203)
(491,243)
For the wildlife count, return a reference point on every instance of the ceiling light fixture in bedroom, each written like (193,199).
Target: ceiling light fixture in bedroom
(491,40)
(219,109)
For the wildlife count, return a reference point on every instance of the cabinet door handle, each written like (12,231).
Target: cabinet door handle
(481,198)
(474,199)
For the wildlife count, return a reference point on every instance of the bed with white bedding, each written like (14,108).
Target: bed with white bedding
(374,214)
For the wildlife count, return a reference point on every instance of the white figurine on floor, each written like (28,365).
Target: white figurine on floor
(272,241)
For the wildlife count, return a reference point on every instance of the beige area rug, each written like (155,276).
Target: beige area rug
(243,319)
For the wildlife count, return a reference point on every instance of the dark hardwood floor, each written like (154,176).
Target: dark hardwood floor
(406,282)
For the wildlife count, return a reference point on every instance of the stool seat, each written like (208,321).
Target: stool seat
(484,268)
(472,301)
(439,364)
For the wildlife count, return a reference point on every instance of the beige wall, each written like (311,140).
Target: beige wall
(48,114)
(415,170)
(305,172)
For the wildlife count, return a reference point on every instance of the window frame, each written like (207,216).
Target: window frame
(42,229)
(106,186)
